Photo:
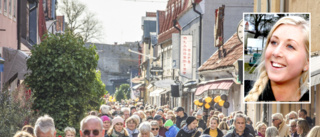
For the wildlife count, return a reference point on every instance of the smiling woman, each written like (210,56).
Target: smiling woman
(284,67)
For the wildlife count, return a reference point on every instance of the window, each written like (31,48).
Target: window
(0,6)
(10,1)
(5,5)
(15,8)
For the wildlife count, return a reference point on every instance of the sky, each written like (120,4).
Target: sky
(121,19)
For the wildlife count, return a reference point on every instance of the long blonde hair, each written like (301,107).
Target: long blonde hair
(263,78)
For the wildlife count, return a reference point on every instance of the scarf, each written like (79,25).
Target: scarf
(131,132)
(186,129)
(117,134)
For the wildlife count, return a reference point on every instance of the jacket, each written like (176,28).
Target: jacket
(202,124)
(246,133)
(207,131)
(283,129)
(182,133)
(110,133)
(162,131)
(172,132)
(179,120)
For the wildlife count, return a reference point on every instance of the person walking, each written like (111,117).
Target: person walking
(190,129)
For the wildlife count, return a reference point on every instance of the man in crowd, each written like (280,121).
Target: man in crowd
(162,130)
(126,114)
(303,114)
(132,110)
(239,127)
(91,126)
(293,128)
(280,124)
(44,127)
(181,115)
(293,115)
(104,110)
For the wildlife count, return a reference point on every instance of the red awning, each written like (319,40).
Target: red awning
(224,85)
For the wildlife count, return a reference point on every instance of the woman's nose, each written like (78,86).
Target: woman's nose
(277,51)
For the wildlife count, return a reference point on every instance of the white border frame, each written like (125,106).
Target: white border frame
(279,102)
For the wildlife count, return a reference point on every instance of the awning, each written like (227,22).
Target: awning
(315,70)
(156,92)
(15,63)
(137,80)
(164,83)
(223,85)
(136,86)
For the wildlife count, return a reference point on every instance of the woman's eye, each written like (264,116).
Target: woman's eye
(290,46)
(273,43)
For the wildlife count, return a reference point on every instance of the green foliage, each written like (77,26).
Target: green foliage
(123,92)
(64,81)
(15,110)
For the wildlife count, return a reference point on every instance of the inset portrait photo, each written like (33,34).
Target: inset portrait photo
(276,57)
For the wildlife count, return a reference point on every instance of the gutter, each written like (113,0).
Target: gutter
(200,31)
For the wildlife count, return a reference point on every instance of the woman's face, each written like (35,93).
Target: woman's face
(299,130)
(106,125)
(213,124)
(285,56)
(118,127)
(69,134)
(131,125)
(193,124)
(146,134)
(262,130)
(155,130)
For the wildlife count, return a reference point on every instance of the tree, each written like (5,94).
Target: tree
(80,21)
(123,92)
(15,110)
(64,80)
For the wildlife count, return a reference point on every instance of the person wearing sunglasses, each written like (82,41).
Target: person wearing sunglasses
(131,127)
(117,129)
(91,126)
(280,124)
(145,129)
(155,128)
(293,128)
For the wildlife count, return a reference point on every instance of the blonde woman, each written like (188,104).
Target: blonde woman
(284,67)
(117,129)
(314,132)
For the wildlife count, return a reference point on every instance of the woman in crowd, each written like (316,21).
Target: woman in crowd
(28,128)
(190,129)
(314,132)
(145,129)
(302,127)
(106,123)
(213,130)
(284,66)
(131,126)
(142,116)
(223,126)
(261,129)
(117,129)
(69,132)
(155,128)
(22,134)
(272,132)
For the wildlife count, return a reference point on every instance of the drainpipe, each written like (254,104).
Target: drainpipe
(174,25)
(35,7)
(18,25)
(200,30)
(161,60)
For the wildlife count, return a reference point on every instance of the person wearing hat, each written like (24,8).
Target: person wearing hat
(172,129)
(202,123)
(190,129)
(181,115)
(106,123)
(117,129)
(162,130)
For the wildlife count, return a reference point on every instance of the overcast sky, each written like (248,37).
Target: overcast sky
(121,19)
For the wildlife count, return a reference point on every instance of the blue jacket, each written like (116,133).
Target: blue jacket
(172,132)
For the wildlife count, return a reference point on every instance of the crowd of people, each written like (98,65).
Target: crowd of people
(147,121)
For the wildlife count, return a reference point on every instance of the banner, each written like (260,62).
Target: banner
(186,56)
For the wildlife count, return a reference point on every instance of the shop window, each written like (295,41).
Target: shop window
(5,6)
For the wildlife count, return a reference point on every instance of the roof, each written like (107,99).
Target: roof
(234,50)
(166,21)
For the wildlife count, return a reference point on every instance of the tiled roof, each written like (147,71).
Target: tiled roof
(151,14)
(234,49)
(166,25)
